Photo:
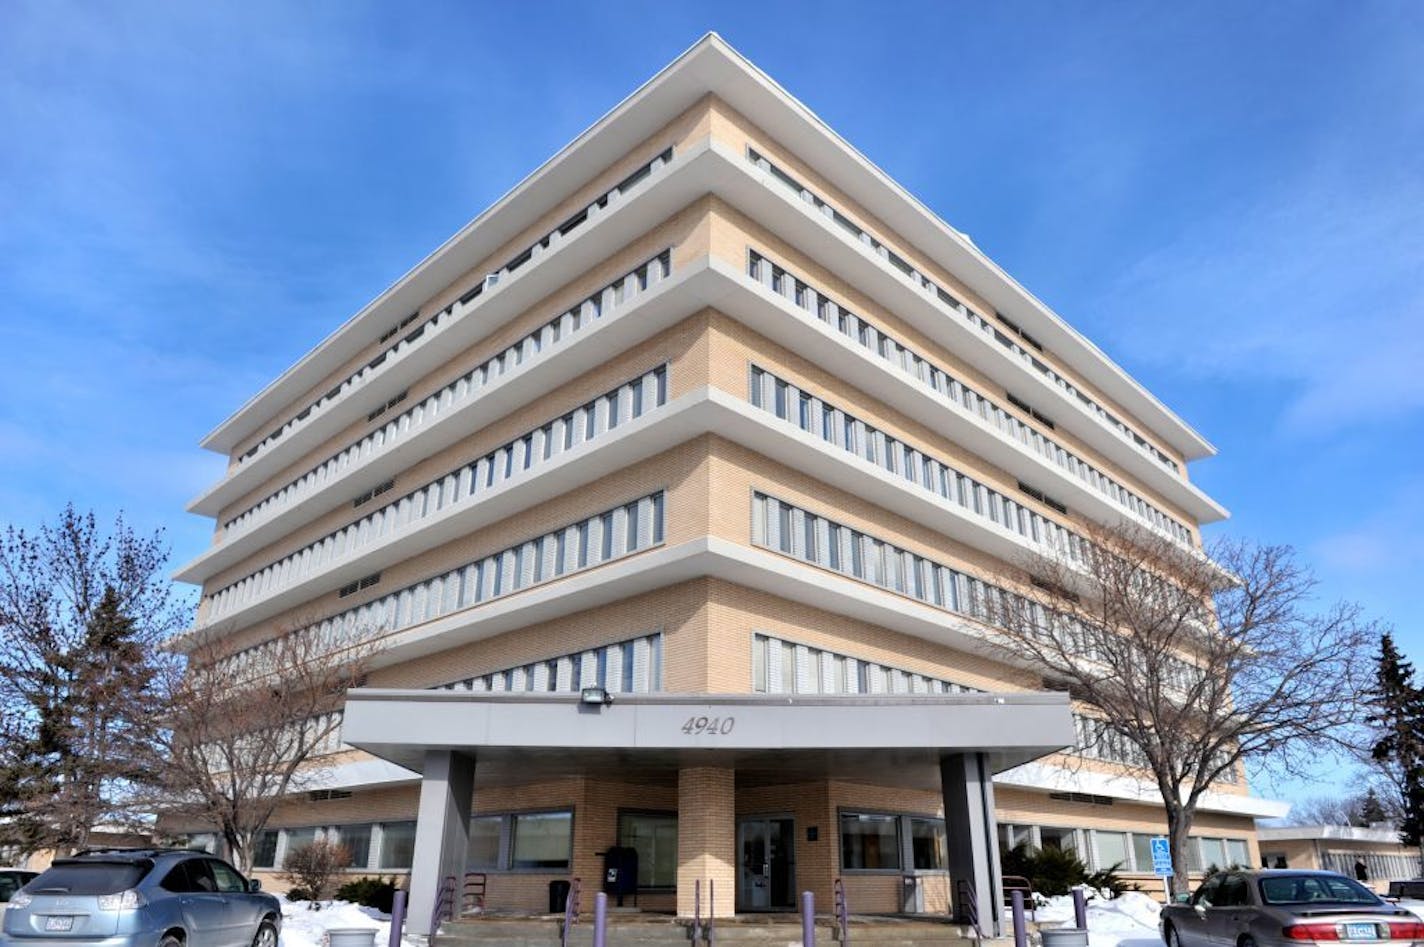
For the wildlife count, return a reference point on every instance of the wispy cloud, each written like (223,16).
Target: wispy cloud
(1318,284)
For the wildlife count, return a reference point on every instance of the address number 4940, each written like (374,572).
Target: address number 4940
(711,726)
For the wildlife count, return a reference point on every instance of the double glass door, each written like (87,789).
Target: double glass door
(766,873)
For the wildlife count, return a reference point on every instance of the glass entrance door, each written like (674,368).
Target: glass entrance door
(766,874)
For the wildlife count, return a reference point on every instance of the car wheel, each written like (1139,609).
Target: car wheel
(1246,941)
(266,936)
(170,940)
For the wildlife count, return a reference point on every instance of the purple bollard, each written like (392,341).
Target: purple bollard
(808,919)
(1080,908)
(600,918)
(1020,927)
(397,918)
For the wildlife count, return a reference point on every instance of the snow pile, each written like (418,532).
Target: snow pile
(304,927)
(1129,920)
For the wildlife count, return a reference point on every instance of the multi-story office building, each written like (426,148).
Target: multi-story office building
(711,416)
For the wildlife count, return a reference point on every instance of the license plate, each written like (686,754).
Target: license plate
(1361,932)
(59,922)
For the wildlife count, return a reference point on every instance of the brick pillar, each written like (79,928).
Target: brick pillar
(707,837)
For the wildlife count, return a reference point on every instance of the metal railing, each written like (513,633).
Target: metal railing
(842,912)
(968,905)
(571,912)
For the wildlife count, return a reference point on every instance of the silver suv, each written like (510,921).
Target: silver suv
(141,898)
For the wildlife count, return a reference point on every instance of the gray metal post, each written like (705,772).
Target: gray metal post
(600,918)
(442,834)
(808,919)
(1020,927)
(1080,908)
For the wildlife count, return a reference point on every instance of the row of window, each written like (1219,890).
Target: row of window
(822,542)
(374,846)
(439,403)
(1130,851)
(456,309)
(595,540)
(935,377)
(634,666)
(520,455)
(974,319)
(814,539)
(1098,740)
(1377,866)
(833,425)
(785,667)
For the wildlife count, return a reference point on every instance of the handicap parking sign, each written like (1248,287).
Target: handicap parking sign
(1161,857)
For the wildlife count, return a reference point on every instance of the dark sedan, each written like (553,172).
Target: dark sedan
(1282,908)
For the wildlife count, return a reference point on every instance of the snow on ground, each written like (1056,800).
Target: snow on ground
(1129,920)
(304,927)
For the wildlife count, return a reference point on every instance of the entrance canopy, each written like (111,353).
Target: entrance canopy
(887,740)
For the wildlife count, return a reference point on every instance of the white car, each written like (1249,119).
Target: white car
(12,880)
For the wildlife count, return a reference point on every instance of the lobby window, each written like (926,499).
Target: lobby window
(484,850)
(653,835)
(928,844)
(521,841)
(870,842)
(542,840)
(884,842)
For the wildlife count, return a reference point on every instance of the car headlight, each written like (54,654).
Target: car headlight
(18,900)
(123,901)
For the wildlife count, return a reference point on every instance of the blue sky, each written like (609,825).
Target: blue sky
(1228,198)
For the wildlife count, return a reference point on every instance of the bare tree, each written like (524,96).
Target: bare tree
(82,615)
(1194,663)
(1359,809)
(246,729)
(314,867)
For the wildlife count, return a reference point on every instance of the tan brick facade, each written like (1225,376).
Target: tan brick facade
(706,622)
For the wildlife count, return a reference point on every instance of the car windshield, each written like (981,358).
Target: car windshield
(90,877)
(1303,889)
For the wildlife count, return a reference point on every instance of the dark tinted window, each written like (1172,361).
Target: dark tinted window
(182,878)
(1207,893)
(12,881)
(1233,892)
(1302,889)
(90,877)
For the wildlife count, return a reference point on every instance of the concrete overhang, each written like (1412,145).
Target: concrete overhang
(769,739)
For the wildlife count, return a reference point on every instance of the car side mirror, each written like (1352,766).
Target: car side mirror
(254,884)
(1182,898)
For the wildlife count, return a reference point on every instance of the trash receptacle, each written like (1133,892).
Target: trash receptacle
(1064,937)
(558,896)
(351,937)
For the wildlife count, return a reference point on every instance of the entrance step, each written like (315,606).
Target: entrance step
(660,930)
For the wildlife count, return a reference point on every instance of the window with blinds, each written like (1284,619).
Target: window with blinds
(464,484)
(947,387)
(839,428)
(634,666)
(785,667)
(594,541)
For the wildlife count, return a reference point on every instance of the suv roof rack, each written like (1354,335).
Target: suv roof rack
(136,852)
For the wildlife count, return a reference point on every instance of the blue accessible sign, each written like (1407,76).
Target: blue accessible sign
(1161,857)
